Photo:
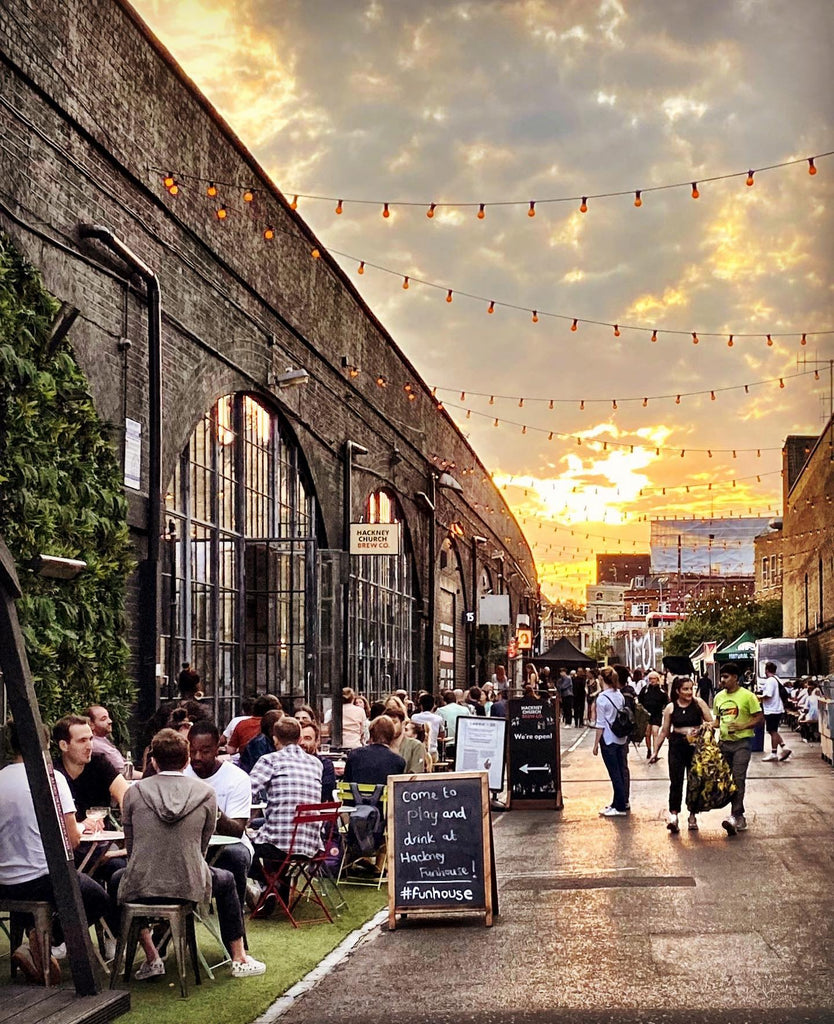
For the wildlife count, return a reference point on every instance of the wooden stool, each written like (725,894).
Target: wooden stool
(42,913)
(180,917)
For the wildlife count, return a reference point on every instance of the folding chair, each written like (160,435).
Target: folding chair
(300,872)
(353,794)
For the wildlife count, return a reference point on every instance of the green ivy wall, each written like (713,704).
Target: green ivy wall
(60,494)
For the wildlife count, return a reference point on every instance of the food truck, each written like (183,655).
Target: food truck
(790,657)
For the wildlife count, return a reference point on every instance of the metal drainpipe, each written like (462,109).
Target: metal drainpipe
(351,448)
(149,568)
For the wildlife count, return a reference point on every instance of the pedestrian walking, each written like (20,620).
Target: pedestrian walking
(613,748)
(773,707)
(738,713)
(654,700)
(579,681)
(683,717)
(564,684)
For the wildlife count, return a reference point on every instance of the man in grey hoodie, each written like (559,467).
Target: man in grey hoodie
(168,820)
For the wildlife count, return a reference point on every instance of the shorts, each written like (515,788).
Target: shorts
(772,722)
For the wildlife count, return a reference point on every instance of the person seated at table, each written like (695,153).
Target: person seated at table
(93,780)
(412,751)
(251,726)
(434,723)
(102,725)
(373,763)
(168,820)
(24,872)
(260,744)
(307,713)
(234,800)
(309,741)
(289,777)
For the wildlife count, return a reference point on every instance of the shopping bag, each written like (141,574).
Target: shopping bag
(710,783)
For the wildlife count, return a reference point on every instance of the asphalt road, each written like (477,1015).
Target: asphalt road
(614,921)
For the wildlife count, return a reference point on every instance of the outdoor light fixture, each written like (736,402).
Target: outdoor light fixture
(290,378)
(55,568)
(480,540)
(447,481)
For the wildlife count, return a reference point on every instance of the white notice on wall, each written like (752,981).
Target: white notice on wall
(374,538)
(480,746)
(133,454)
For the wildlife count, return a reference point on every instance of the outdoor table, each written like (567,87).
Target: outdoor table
(97,842)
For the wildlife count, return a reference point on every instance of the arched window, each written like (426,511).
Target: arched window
(382,610)
(240,516)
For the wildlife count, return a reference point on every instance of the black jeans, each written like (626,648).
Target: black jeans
(680,758)
(95,899)
(567,708)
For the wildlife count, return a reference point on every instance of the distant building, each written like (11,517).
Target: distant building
(621,568)
(604,602)
(706,547)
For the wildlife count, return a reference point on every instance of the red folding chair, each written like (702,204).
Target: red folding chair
(299,871)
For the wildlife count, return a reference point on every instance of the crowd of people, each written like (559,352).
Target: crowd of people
(245,781)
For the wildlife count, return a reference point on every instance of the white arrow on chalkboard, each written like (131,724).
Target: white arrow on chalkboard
(527,768)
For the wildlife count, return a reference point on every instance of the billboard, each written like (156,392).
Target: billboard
(706,547)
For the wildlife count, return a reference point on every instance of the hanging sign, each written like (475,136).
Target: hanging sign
(374,538)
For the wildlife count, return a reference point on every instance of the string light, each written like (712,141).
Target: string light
(535,317)
(385,211)
(730,342)
(449,295)
(532,210)
(361,268)
(294,203)
(248,196)
(616,330)
(316,254)
(491,307)
(654,335)
(637,200)
(574,325)
(803,340)
(405,283)
(583,206)
(695,193)
(339,207)
(769,341)
(694,338)
(481,212)
(269,233)
(222,213)
(168,180)
(811,167)
(211,191)
(431,209)
(749,178)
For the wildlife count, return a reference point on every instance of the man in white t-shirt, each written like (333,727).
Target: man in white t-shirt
(234,800)
(431,720)
(24,872)
(773,708)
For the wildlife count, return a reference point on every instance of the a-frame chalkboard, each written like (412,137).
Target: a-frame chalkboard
(535,778)
(440,858)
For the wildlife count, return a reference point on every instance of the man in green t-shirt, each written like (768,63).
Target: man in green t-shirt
(737,712)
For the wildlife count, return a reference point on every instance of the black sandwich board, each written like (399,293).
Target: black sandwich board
(533,754)
(440,856)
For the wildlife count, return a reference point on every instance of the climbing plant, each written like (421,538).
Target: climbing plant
(60,494)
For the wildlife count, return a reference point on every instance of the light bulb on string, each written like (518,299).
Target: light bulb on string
(222,213)
(583,207)
(535,316)
(269,233)
(730,342)
(248,196)
(532,211)
(654,335)
(174,189)
(695,193)
(491,308)
(769,341)
(339,207)
(811,167)
(712,396)
(694,338)
(645,402)
(431,209)
(574,325)
(294,203)
(616,330)
(361,268)
(803,340)
(481,211)
(637,199)
(211,191)
(405,284)
(750,178)
(449,295)
(168,180)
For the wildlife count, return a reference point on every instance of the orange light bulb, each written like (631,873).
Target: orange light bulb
(316,254)
(637,199)
(695,193)
(582,405)
(535,317)
(583,206)
(174,189)
(385,211)
(712,396)
(269,233)
(532,211)
(750,178)
(294,203)
(645,402)
(573,326)
(803,340)
(694,338)
(211,191)
(248,196)
(769,341)
(678,400)
(361,268)
(616,330)
(222,213)
(491,307)
(781,383)
(405,284)
(168,180)
(339,206)
(811,168)
(430,211)
(481,212)
(449,295)
(730,342)
(654,335)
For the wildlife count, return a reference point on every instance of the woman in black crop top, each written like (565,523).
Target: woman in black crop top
(682,718)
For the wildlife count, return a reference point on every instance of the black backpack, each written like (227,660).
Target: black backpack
(623,724)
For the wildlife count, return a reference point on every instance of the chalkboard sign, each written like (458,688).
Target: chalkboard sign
(439,845)
(533,748)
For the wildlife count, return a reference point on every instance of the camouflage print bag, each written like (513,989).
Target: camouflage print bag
(709,784)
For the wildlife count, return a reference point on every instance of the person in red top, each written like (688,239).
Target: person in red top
(251,726)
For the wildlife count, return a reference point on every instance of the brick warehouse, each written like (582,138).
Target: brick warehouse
(243,568)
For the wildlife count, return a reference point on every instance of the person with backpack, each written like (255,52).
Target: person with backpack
(610,712)
(773,697)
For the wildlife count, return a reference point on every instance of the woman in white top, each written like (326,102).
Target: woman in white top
(354,720)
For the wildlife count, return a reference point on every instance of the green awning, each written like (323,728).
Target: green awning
(743,648)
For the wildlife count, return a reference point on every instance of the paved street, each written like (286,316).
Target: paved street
(616,920)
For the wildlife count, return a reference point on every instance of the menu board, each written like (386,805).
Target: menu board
(480,746)
(533,749)
(439,845)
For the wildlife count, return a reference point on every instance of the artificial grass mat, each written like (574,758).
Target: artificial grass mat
(289,953)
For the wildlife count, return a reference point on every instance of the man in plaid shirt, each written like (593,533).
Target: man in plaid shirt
(289,777)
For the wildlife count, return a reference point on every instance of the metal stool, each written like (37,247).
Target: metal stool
(180,918)
(42,913)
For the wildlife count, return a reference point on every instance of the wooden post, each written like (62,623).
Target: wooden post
(24,707)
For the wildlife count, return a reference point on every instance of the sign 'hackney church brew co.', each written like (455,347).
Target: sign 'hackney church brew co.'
(533,748)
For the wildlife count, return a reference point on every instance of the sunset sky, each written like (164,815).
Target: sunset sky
(507,102)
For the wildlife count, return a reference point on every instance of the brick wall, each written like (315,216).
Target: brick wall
(88,104)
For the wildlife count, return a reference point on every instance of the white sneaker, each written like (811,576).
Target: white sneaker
(785,753)
(109,948)
(60,952)
(672,823)
(771,757)
(151,969)
(248,968)
(612,812)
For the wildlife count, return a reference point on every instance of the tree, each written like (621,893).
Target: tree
(60,494)
(761,618)
(599,648)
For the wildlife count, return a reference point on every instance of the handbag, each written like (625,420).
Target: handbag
(709,784)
